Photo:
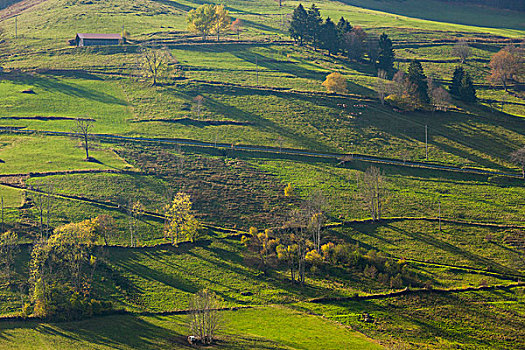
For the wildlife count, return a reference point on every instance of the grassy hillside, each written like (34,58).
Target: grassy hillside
(261,90)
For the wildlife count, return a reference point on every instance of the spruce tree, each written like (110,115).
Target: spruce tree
(417,79)
(467,92)
(343,27)
(385,60)
(328,37)
(457,77)
(298,25)
(313,25)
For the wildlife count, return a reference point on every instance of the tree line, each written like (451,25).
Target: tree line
(307,27)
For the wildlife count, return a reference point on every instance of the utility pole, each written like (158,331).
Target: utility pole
(2,214)
(16,27)
(426,142)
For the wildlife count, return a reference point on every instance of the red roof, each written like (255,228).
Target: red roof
(99,36)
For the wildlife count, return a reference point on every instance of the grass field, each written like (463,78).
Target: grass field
(260,328)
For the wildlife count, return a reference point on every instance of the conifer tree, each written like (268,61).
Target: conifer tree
(313,25)
(457,77)
(343,27)
(417,79)
(328,37)
(467,92)
(385,60)
(298,25)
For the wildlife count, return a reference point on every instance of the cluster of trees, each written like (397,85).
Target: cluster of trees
(308,27)
(414,90)
(62,267)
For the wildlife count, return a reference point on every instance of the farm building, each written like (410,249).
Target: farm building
(91,39)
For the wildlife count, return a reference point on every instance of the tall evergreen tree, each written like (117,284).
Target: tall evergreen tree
(457,77)
(467,92)
(328,37)
(385,60)
(298,24)
(417,79)
(313,25)
(343,27)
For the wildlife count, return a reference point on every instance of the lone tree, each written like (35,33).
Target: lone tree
(461,50)
(504,66)
(373,192)
(82,128)
(518,157)
(202,20)
(204,317)
(236,27)
(179,219)
(155,64)
(335,82)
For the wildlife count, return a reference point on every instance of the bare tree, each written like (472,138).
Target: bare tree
(461,50)
(518,157)
(82,128)
(204,317)
(381,85)
(199,100)
(440,99)
(136,211)
(155,64)
(373,191)
(8,250)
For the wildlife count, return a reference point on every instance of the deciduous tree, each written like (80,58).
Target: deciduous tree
(82,128)
(504,66)
(204,317)
(373,192)
(518,157)
(461,50)
(202,20)
(179,217)
(155,64)
(222,21)
(335,82)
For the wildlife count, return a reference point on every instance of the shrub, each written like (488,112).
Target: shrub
(404,102)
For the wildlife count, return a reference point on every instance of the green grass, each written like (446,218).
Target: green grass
(25,154)
(472,320)
(261,328)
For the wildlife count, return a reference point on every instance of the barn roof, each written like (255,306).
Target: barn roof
(99,36)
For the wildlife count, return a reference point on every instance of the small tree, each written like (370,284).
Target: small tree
(82,128)
(236,27)
(105,227)
(202,20)
(289,190)
(204,317)
(8,251)
(461,50)
(314,22)
(440,99)
(381,85)
(518,157)
(155,64)
(199,100)
(222,21)
(335,82)
(373,192)
(136,211)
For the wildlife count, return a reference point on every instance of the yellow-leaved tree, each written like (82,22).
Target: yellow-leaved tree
(202,20)
(179,220)
(335,82)
(222,20)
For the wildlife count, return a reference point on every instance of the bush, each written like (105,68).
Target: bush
(404,103)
